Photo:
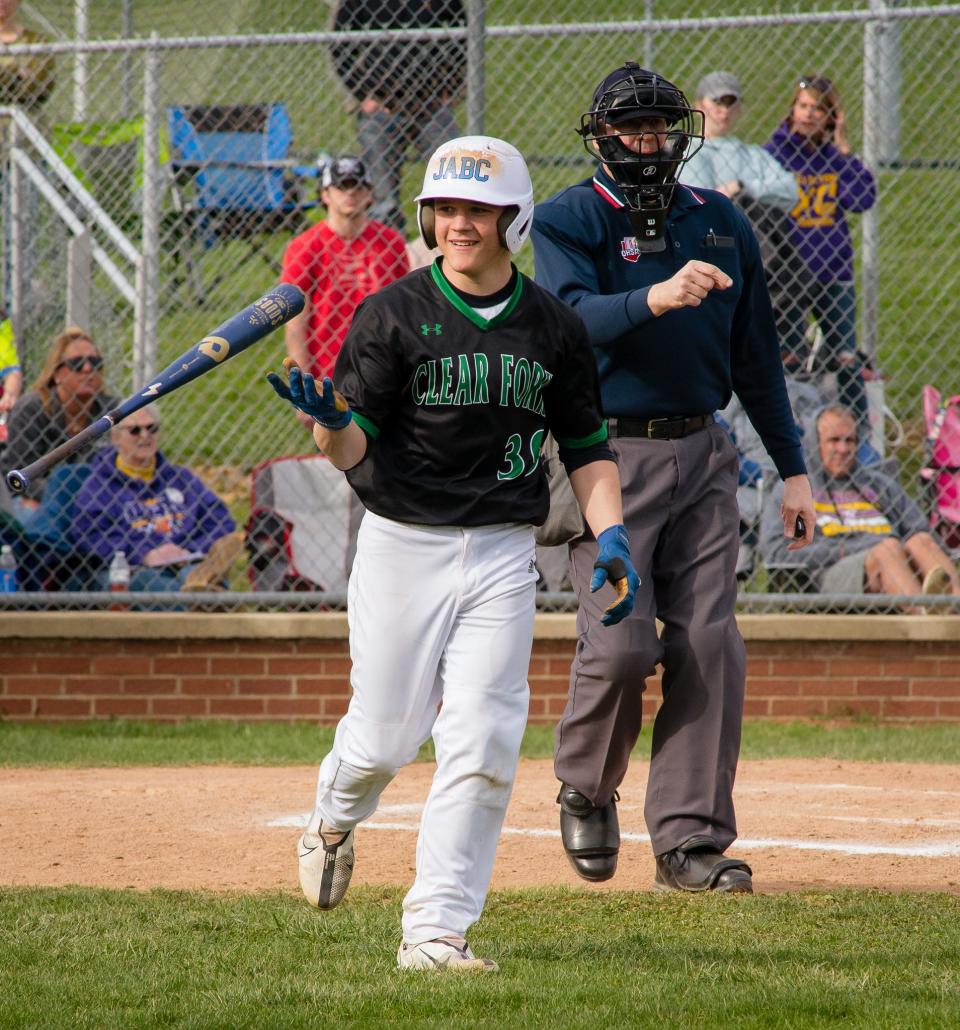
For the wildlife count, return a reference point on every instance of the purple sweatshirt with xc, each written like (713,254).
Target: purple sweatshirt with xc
(829,184)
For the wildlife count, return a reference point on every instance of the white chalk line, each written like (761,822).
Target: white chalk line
(939,823)
(946,849)
(775,788)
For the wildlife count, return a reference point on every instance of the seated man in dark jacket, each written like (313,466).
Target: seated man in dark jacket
(871,537)
(161,515)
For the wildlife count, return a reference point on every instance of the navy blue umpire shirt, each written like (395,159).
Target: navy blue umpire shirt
(687,361)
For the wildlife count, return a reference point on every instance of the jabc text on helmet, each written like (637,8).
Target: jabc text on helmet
(468,168)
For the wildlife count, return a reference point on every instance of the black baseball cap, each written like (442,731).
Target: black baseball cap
(342,170)
(631,91)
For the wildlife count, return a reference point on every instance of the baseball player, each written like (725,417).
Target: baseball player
(670,284)
(446,384)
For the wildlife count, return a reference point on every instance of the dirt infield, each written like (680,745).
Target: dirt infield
(821,824)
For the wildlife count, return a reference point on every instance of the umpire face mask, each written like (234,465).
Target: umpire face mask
(644,130)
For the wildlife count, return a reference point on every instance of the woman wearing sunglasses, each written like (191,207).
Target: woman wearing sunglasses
(66,397)
(161,515)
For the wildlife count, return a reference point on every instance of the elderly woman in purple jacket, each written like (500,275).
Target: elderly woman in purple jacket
(812,143)
(159,514)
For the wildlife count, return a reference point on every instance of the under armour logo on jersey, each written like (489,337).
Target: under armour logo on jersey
(629,248)
(436,329)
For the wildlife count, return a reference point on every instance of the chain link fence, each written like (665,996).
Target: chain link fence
(155,170)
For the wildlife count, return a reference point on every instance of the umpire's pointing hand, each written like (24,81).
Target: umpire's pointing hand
(614,564)
(687,288)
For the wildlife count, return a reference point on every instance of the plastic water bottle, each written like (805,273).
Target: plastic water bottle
(8,570)
(118,578)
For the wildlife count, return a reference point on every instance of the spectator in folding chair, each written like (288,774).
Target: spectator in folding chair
(404,92)
(806,399)
(337,263)
(872,538)
(175,532)
(65,398)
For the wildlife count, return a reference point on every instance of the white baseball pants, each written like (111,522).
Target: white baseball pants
(436,614)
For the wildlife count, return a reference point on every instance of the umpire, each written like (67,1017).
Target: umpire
(670,284)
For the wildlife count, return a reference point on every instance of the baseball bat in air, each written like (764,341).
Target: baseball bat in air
(257,320)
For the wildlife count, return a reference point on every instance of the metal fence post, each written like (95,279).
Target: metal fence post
(16,235)
(79,267)
(145,338)
(872,129)
(476,71)
(126,31)
(80,62)
(890,83)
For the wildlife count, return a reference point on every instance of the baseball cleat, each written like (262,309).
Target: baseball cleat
(326,865)
(443,953)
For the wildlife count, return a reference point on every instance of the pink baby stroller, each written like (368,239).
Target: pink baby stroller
(941,474)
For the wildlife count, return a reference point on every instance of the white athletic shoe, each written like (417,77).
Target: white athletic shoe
(326,865)
(443,953)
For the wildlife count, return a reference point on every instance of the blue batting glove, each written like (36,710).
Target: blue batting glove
(613,564)
(328,407)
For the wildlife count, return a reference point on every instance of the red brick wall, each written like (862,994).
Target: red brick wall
(57,678)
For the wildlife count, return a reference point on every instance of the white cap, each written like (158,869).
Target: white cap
(487,170)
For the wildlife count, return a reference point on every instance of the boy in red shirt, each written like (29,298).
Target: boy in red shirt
(337,263)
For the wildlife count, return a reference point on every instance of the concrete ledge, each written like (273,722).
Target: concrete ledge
(850,627)
(333,626)
(173,626)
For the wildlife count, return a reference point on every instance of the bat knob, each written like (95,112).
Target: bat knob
(17,481)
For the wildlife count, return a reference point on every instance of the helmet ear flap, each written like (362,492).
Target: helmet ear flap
(427,222)
(504,222)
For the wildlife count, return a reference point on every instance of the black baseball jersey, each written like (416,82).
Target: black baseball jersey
(456,406)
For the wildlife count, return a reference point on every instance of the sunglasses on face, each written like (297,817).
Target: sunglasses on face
(77,364)
(152,428)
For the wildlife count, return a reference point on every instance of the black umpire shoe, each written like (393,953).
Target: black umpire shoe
(591,834)
(699,865)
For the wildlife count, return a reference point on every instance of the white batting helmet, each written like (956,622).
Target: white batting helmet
(484,169)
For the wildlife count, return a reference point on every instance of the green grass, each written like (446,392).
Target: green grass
(118,742)
(569,958)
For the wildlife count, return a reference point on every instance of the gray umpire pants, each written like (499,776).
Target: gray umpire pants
(680,509)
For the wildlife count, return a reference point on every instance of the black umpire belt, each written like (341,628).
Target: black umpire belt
(669,428)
